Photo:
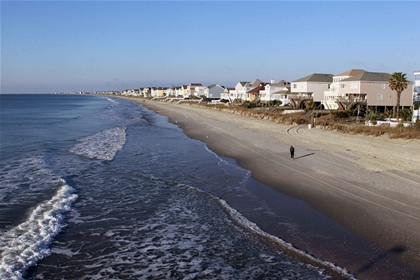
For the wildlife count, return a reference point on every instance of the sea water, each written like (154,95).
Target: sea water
(98,187)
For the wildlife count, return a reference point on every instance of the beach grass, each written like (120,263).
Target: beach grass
(350,125)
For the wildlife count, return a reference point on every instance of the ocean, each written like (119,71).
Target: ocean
(97,187)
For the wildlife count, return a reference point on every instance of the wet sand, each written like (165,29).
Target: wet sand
(369,185)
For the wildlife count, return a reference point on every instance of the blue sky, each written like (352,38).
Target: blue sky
(112,45)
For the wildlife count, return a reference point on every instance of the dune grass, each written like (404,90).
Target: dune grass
(349,125)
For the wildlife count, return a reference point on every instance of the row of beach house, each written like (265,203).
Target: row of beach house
(327,91)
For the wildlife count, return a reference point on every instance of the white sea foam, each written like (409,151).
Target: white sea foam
(103,145)
(111,100)
(25,177)
(27,243)
(240,219)
(247,174)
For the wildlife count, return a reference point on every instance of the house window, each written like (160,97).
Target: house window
(380,97)
(343,86)
(353,85)
(390,96)
(294,85)
(417,77)
(383,86)
(329,86)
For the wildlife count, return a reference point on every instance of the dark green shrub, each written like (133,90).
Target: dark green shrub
(406,114)
(342,114)
(273,103)
(249,104)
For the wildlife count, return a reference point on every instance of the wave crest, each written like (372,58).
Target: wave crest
(103,145)
(27,243)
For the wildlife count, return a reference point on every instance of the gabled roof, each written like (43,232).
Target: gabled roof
(257,89)
(255,82)
(280,83)
(369,76)
(323,78)
(196,84)
(242,83)
(214,85)
(352,72)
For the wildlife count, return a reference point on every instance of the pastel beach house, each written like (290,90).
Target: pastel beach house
(309,89)
(373,89)
(332,98)
(276,91)
(241,90)
(213,91)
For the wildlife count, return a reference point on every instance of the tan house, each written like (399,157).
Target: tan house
(374,88)
(242,88)
(254,94)
(312,85)
(158,91)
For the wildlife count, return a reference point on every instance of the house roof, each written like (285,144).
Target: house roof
(352,72)
(255,82)
(369,76)
(281,83)
(214,85)
(324,78)
(258,88)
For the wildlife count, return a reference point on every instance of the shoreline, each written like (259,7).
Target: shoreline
(348,178)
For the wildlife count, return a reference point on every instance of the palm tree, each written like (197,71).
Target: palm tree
(398,82)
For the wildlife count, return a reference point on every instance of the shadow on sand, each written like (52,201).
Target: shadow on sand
(393,251)
(307,155)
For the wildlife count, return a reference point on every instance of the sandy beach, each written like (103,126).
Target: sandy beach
(369,185)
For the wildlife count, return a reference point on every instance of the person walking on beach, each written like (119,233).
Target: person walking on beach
(292,152)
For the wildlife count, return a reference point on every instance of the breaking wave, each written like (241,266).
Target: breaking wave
(103,145)
(27,243)
(247,224)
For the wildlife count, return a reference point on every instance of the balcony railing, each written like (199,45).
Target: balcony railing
(299,96)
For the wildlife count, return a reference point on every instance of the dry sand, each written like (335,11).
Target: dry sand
(370,185)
